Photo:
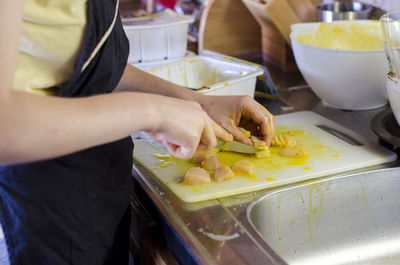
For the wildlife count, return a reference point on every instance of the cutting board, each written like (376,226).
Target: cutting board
(327,154)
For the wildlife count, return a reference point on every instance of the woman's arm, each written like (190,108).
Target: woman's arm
(35,127)
(39,127)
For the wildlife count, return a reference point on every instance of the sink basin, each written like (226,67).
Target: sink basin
(353,219)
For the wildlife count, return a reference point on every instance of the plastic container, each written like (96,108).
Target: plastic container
(152,64)
(211,76)
(157,37)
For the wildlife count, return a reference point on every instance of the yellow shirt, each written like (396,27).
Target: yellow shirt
(52,35)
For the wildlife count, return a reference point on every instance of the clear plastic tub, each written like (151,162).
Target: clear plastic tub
(157,37)
(152,64)
(211,76)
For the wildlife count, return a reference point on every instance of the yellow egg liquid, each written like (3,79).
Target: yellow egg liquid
(346,35)
(305,140)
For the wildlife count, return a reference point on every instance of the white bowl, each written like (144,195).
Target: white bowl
(344,79)
(393,89)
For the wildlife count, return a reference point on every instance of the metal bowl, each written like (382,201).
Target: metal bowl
(343,11)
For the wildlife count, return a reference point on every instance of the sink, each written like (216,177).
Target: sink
(352,219)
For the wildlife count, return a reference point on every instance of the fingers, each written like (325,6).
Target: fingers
(170,147)
(208,135)
(269,130)
(207,138)
(256,118)
(182,136)
(217,130)
(266,125)
(221,132)
(184,145)
(183,152)
(237,134)
(265,121)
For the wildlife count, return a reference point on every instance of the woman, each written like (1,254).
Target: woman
(65,147)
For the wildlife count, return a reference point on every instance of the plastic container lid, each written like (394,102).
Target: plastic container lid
(156,20)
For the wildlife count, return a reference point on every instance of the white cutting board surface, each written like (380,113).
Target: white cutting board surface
(327,155)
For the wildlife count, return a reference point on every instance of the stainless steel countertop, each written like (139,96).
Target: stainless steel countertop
(214,230)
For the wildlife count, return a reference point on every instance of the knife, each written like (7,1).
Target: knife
(237,147)
(340,135)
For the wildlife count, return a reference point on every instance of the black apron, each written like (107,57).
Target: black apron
(74,209)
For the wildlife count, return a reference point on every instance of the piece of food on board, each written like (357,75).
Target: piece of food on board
(201,153)
(211,162)
(293,152)
(244,167)
(196,175)
(262,145)
(223,173)
(283,140)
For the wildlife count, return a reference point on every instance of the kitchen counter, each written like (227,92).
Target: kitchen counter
(214,231)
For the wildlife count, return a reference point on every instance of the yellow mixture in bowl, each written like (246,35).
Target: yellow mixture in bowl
(345,35)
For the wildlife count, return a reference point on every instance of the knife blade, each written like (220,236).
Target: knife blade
(237,147)
(343,136)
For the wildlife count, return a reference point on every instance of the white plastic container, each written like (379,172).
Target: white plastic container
(210,76)
(152,64)
(157,37)
(343,79)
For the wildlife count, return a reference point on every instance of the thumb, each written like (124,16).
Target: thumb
(183,152)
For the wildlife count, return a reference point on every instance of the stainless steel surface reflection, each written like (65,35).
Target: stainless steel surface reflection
(353,219)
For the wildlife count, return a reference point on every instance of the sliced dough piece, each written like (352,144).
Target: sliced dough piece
(293,152)
(211,162)
(262,145)
(263,153)
(283,140)
(223,173)
(196,176)
(244,167)
(201,153)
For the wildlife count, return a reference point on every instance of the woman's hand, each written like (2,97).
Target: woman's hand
(232,112)
(181,125)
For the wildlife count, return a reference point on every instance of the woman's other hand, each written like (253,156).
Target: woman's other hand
(232,112)
(181,125)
